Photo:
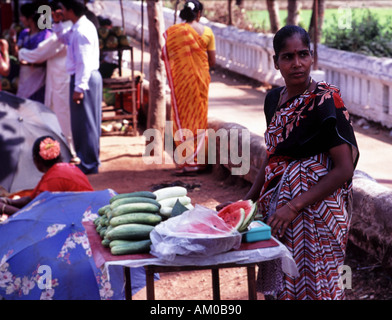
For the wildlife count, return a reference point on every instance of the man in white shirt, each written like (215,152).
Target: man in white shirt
(86,82)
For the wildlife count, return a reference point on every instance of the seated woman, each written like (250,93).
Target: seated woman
(58,176)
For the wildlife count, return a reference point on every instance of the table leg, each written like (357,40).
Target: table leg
(215,284)
(251,270)
(150,283)
(128,286)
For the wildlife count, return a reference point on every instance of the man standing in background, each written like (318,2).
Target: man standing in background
(86,81)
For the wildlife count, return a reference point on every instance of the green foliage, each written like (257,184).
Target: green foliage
(367,35)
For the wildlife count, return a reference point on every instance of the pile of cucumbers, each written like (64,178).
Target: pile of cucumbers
(124,224)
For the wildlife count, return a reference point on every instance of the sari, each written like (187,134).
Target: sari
(187,69)
(298,137)
(31,84)
(62,177)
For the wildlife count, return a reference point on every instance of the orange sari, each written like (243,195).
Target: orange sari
(187,68)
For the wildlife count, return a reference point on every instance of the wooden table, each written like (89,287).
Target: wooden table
(152,269)
(123,85)
(249,252)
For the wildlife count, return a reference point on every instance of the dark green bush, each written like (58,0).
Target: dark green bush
(367,35)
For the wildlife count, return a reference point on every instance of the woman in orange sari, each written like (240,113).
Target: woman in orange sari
(188,54)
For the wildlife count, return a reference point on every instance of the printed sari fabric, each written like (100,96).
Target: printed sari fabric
(298,137)
(188,76)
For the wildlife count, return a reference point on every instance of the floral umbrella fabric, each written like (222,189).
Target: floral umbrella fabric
(45,253)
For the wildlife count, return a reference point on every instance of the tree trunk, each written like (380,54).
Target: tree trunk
(293,7)
(230,10)
(156,117)
(176,11)
(320,19)
(273,10)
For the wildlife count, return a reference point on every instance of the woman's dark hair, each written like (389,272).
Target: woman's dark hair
(55,5)
(190,10)
(287,32)
(77,6)
(29,10)
(36,155)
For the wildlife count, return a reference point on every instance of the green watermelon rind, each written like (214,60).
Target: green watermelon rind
(239,224)
(248,218)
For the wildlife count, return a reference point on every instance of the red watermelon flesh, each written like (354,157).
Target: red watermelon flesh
(232,214)
(213,226)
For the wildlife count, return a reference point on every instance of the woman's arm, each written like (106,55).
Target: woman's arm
(211,58)
(46,50)
(4,58)
(10,206)
(341,172)
(254,192)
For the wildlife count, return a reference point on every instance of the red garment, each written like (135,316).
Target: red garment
(62,177)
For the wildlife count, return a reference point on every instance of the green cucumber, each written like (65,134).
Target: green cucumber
(105,242)
(102,232)
(101,211)
(122,201)
(134,207)
(137,217)
(146,194)
(119,242)
(130,231)
(131,247)
(97,220)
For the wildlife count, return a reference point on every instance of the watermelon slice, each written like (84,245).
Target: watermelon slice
(239,214)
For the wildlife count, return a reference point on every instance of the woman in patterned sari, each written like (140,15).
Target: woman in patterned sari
(188,54)
(304,186)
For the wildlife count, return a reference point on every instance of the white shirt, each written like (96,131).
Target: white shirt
(83,50)
(57,79)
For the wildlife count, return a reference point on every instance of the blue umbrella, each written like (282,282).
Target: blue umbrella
(22,121)
(45,253)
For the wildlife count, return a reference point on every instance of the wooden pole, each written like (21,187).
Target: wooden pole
(315,34)
(122,14)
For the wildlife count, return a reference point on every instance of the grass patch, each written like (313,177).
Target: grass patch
(260,19)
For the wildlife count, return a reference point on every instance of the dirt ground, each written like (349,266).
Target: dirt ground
(124,169)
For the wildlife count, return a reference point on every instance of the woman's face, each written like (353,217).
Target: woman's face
(294,61)
(26,22)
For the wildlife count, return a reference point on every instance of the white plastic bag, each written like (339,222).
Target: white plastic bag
(196,232)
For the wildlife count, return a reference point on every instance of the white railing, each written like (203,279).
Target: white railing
(365,82)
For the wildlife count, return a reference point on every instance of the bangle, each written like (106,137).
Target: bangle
(292,208)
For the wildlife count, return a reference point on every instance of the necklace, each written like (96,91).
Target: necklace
(285,90)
